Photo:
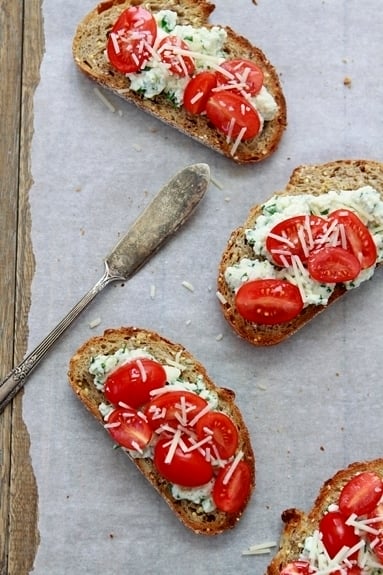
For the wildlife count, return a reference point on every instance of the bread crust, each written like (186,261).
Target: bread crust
(88,52)
(305,179)
(81,381)
(297,524)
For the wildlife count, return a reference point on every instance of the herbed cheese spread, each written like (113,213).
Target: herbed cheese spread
(366,202)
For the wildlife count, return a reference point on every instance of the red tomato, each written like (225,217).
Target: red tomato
(361,494)
(198,90)
(128,429)
(173,407)
(128,42)
(223,431)
(188,469)
(241,75)
(335,532)
(298,567)
(268,301)
(230,497)
(132,382)
(360,240)
(378,525)
(170,49)
(233,115)
(294,236)
(333,265)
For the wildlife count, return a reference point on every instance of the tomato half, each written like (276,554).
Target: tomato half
(241,75)
(128,429)
(333,265)
(268,301)
(358,236)
(198,90)
(174,407)
(171,51)
(188,469)
(231,496)
(128,41)
(361,494)
(335,532)
(222,430)
(378,525)
(132,382)
(232,115)
(294,236)
(298,567)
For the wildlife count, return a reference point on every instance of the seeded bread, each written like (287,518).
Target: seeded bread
(163,350)
(88,50)
(314,179)
(298,525)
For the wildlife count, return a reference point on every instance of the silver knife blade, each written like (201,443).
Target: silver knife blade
(169,209)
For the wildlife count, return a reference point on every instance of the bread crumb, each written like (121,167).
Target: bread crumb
(188,285)
(347,81)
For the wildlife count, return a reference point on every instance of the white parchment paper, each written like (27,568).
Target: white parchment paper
(313,404)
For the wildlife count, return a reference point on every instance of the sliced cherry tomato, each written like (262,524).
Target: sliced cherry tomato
(198,91)
(230,496)
(174,407)
(185,468)
(223,431)
(298,567)
(241,75)
(132,382)
(128,428)
(358,236)
(378,526)
(268,301)
(171,51)
(335,532)
(333,265)
(361,494)
(128,41)
(294,236)
(233,115)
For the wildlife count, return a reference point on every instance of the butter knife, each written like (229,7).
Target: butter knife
(169,209)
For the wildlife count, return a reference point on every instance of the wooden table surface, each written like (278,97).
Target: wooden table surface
(21,49)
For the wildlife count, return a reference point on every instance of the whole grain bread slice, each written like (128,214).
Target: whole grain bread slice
(88,50)
(297,525)
(307,179)
(166,352)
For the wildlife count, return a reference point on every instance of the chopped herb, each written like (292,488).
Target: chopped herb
(189,38)
(270,210)
(171,97)
(164,24)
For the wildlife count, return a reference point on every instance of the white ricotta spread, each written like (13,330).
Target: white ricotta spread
(207,49)
(365,201)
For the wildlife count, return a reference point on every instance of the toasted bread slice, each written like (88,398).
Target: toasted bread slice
(191,514)
(298,525)
(89,45)
(312,179)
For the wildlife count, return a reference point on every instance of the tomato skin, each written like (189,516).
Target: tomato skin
(243,71)
(178,65)
(335,532)
(268,301)
(167,406)
(230,113)
(232,496)
(125,383)
(333,265)
(198,91)
(310,227)
(298,567)
(186,469)
(224,432)
(360,241)
(134,26)
(378,525)
(132,430)
(361,494)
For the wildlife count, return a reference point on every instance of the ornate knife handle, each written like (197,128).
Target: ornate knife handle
(15,380)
